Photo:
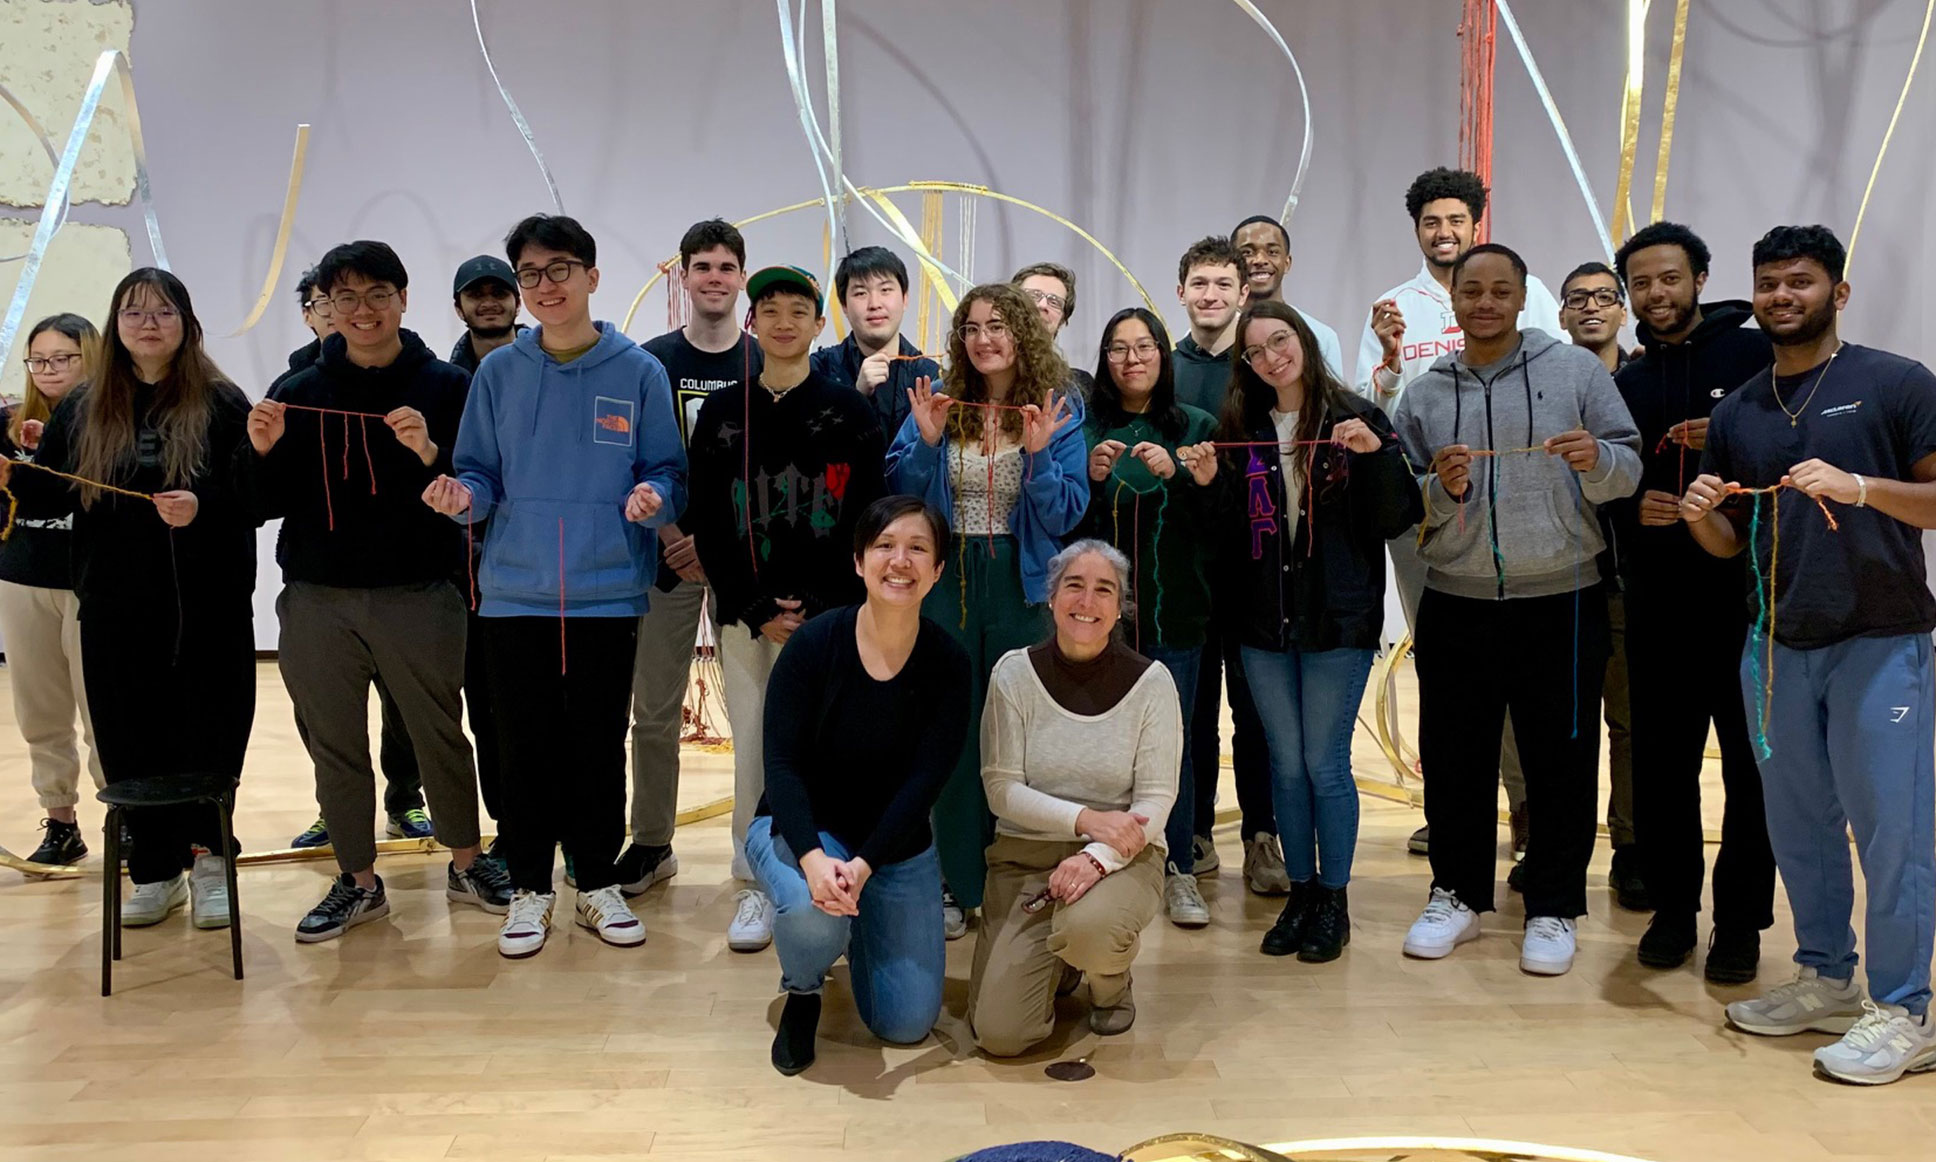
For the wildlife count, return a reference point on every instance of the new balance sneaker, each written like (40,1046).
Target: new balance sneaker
(752,926)
(1548,946)
(1264,866)
(317,835)
(1206,860)
(61,845)
(1442,926)
(208,883)
(151,903)
(1182,902)
(643,865)
(604,911)
(485,884)
(526,925)
(342,909)
(411,824)
(954,920)
(1885,1043)
(1811,1003)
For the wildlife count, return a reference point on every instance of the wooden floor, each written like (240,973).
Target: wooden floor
(412,1039)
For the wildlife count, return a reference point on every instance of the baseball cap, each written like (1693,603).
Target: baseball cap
(789,276)
(478,269)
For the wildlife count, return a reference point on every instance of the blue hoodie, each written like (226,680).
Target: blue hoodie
(550,452)
(1055,492)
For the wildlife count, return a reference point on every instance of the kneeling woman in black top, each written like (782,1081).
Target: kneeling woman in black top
(866,713)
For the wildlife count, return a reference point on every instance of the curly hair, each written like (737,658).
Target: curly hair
(1040,370)
(1665,234)
(1438,183)
(1214,250)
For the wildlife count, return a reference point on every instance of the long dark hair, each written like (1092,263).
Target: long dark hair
(1106,399)
(34,404)
(184,399)
(1247,406)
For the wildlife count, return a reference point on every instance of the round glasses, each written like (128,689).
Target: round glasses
(1277,344)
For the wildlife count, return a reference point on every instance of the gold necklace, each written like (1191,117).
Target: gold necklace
(1795,416)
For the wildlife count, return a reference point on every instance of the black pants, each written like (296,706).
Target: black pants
(1221,661)
(561,740)
(1684,668)
(1543,660)
(160,710)
(477,705)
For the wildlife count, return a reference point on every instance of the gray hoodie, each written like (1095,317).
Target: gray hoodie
(1528,526)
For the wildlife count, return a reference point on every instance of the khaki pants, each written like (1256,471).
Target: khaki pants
(42,636)
(745,663)
(1019,956)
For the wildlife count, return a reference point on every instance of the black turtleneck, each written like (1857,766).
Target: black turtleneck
(1092,687)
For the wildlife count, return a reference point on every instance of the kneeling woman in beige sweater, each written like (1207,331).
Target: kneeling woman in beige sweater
(1080,741)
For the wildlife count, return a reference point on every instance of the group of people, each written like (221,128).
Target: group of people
(978,612)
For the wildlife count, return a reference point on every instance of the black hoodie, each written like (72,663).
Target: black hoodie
(1671,383)
(350,494)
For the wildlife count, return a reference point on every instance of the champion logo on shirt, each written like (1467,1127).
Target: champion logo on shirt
(1847,409)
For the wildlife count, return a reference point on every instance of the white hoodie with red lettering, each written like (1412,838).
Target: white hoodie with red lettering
(1431,331)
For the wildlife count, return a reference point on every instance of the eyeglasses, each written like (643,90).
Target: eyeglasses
(136,317)
(558,271)
(376,300)
(317,306)
(51,363)
(1578,300)
(1277,344)
(1048,299)
(1143,351)
(994,331)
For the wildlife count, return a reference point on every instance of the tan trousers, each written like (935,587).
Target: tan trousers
(1019,956)
(41,631)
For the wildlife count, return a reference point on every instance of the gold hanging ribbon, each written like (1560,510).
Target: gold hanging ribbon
(281,250)
(1630,99)
(1668,109)
(1863,210)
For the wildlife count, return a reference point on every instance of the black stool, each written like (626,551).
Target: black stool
(163,791)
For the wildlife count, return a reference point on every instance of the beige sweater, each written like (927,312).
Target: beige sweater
(1041,765)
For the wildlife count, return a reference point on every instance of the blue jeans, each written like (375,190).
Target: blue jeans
(1180,831)
(1852,743)
(895,947)
(1308,701)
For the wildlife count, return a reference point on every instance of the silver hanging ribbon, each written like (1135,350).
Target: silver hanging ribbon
(1304,155)
(1559,124)
(517,115)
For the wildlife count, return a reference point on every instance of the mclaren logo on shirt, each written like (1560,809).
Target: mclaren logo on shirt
(1847,409)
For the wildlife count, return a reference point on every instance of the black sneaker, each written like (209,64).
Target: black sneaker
(485,884)
(1516,878)
(344,908)
(1668,942)
(1629,891)
(643,865)
(1733,955)
(1329,929)
(1287,935)
(61,845)
(799,1023)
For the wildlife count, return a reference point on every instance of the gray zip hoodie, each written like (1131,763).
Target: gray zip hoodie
(1527,526)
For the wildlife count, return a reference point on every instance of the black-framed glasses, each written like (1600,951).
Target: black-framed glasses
(160,316)
(1144,351)
(557,271)
(318,306)
(994,330)
(1048,299)
(1579,299)
(377,299)
(40,366)
(1277,344)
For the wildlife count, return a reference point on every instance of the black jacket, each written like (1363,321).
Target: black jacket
(39,550)
(301,359)
(350,494)
(1672,383)
(1323,588)
(464,356)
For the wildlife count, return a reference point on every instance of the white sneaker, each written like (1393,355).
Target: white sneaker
(1880,1047)
(151,903)
(605,912)
(1549,946)
(1811,1003)
(1442,926)
(526,925)
(954,919)
(208,882)
(752,926)
(1182,901)
(1264,866)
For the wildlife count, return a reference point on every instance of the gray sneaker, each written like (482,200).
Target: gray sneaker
(1885,1043)
(1207,860)
(1264,866)
(1182,901)
(1811,1003)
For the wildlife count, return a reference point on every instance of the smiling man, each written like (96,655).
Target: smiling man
(780,475)
(1264,247)
(485,296)
(875,359)
(1051,286)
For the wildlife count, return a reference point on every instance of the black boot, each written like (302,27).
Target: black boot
(1329,929)
(1668,941)
(1733,955)
(1287,934)
(799,1023)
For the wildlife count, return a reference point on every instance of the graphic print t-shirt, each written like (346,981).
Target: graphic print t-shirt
(696,374)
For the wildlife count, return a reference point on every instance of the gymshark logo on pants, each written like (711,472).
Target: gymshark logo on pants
(1897,713)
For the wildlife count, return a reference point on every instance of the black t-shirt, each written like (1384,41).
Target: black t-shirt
(696,374)
(1873,414)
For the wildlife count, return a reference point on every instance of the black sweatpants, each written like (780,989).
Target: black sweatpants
(1543,660)
(160,710)
(1222,661)
(1684,668)
(477,706)
(561,741)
